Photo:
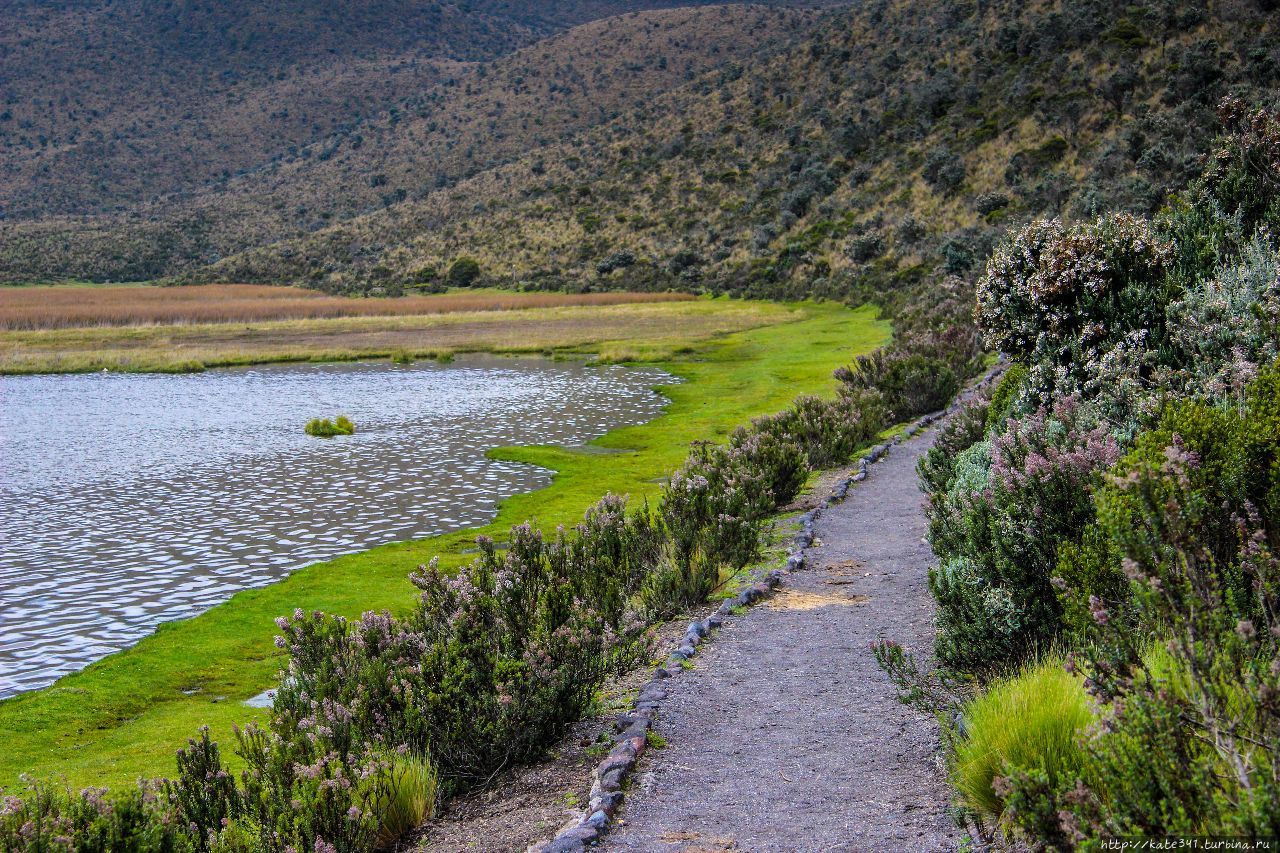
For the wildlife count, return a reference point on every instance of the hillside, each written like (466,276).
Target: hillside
(467,123)
(108,104)
(761,152)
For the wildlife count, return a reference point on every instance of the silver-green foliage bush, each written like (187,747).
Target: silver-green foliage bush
(1010,503)
(1224,329)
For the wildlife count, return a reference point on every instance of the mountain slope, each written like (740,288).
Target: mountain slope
(863,147)
(115,102)
(887,141)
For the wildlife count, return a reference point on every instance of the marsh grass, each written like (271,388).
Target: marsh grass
(609,333)
(325,428)
(62,307)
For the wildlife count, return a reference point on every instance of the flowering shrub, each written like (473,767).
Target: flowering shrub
(769,448)
(1190,734)
(204,792)
(1225,329)
(828,431)
(513,659)
(53,820)
(712,511)
(997,528)
(301,795)
(492,664)
(1074,303)
(1241,175)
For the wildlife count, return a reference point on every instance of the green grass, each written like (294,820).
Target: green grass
(1029,721)
(124,716)
(325,428)
(409,801)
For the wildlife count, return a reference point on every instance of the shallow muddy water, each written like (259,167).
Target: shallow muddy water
(131,500)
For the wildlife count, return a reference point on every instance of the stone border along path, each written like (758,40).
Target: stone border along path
(790,737)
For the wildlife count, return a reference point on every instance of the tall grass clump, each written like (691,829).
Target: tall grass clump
(1029,723)
(407,801)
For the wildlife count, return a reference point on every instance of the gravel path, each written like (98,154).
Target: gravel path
(786,735)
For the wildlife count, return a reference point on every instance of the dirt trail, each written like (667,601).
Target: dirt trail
(786,736)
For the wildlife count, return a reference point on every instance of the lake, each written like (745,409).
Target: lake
(128,500)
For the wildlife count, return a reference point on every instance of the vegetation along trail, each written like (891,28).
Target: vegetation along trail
(786,735)
(123,717)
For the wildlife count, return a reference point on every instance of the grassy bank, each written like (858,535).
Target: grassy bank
(614,332)
(124,716)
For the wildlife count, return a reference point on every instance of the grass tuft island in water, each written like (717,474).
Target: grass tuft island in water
(123,717)
(325,428)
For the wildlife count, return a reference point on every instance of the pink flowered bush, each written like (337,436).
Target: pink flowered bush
(493,663)
(996,531)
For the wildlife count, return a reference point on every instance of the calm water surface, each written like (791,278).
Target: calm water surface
(131,500)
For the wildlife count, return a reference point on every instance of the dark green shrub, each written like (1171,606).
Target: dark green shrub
(619,260)
(908,383)
(935,348)
(865,247)
(988,203)
(1004,399)
(712,508)
(944,170)
(204,792)
(916,385)
(463,272)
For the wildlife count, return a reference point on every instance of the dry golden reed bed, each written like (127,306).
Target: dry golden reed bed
(63,307)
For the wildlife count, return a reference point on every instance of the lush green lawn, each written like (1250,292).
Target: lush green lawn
(123,717)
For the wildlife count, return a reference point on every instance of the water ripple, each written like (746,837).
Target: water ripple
(131,500)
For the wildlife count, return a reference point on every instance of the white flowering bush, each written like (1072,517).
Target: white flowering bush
(1080,305)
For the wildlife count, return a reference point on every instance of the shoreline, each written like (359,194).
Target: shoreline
(122,717)
(47,644)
